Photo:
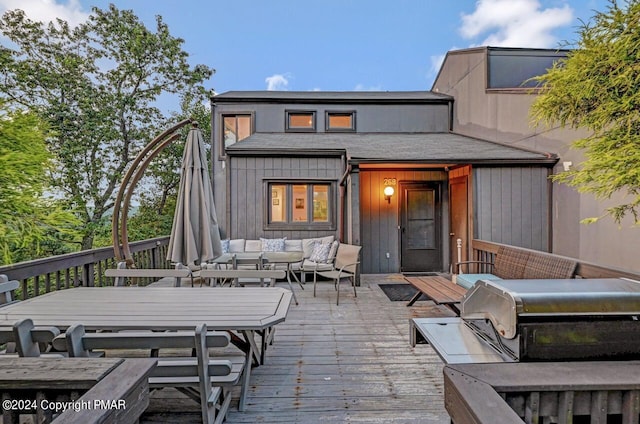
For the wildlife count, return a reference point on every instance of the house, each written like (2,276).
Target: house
(492,95)
(380,169)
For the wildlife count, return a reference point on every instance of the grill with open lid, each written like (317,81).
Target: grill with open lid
(546,320)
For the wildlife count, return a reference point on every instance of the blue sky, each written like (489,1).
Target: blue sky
(337,44)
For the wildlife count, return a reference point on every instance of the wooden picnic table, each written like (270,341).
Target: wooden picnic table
(245,310)
(47,386)
(438,289)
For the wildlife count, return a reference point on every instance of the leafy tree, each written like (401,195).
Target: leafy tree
(30,224)
(97,86)
(597,87)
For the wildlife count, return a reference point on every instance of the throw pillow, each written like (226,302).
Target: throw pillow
(320,252)
(309,244)
(225,245)
(272,245)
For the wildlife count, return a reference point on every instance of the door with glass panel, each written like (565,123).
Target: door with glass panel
(421,240)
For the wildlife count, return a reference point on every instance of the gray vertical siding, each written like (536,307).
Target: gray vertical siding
(246,200)
(511,205)
(379,219)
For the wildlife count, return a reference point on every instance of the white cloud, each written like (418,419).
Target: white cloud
(47,10)
(515,23)
(362,87)
(277,82)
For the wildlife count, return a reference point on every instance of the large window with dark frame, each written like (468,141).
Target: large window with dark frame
(300,203)
(300,121)
(235,127)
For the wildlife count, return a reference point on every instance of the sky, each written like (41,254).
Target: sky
(336,45)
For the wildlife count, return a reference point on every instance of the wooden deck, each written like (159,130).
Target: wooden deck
(337,364)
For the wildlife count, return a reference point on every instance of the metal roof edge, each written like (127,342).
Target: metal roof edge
(549,162)
(286,152)
(438,98)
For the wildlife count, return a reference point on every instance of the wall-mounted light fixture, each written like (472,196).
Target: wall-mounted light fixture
(388,192)
(389,188)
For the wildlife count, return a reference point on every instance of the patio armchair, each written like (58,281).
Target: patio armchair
(344,267)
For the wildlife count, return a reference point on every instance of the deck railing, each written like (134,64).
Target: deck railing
(485,251)
(85,268)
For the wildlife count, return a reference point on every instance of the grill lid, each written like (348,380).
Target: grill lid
(503,301)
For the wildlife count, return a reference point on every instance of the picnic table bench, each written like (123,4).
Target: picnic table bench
(205,379)
(438,289)
(121,274)
(7,287)
(33,384)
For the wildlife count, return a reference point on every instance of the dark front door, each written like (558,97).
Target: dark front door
(420,229)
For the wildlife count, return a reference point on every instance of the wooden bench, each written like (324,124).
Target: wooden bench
(244,276)
(204,379)
(27,340)
(512,263)
(120,387)
(438,289)
(6,290)
(121,274)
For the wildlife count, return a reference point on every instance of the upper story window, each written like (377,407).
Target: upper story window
(340,121)
(300,121)
(236,127)
(513,69)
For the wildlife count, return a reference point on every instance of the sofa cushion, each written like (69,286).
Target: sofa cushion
(272,245)
(253,246)
(309,266)
(236,245)
(225,245)
(320,252)
(309,244)
(293,245)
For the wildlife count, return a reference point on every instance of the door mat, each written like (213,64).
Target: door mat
(398,292)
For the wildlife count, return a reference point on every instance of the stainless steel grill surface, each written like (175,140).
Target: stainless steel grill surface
(542,320)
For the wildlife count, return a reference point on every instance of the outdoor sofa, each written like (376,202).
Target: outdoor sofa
(318,252)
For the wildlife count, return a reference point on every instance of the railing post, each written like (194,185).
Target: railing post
(459,247)
(87,275)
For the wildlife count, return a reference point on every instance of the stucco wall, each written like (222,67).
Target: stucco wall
(503,116)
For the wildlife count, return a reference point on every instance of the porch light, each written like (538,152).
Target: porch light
(388,192)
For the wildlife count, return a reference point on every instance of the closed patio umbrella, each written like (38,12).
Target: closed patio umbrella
(195,237)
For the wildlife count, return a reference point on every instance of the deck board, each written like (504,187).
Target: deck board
(336,364)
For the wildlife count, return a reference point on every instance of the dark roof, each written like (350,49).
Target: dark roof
(389,147)
(381,97)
